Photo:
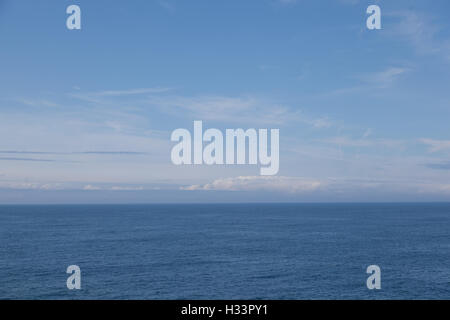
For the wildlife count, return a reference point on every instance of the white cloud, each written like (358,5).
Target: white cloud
(436,145)
(335,186)
(260,183)
(91,188)
(30,185)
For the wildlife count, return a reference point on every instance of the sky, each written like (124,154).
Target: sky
(86,115)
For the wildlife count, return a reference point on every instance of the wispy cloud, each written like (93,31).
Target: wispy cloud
(26,185)
(364,142)
(25,159)
(169,6)
(439,166)
(112,152)
(111,97)
(30,186)
(240,109)
(122,188)
(287,2)
(415,28)
(436,145)
(226,109)
(376,80)
(351,2)
(367,133)
(75,152)
(90,187)
(421,31)
(385,77)
(27,152)
(39,103)
(131,92)
(132,110)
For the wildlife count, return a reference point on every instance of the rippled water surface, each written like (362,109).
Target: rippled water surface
(245,251)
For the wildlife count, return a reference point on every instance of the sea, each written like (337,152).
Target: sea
(226,251)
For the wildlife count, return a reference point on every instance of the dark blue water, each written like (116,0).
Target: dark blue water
(270,251)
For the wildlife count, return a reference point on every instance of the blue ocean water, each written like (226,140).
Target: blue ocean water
(226,251)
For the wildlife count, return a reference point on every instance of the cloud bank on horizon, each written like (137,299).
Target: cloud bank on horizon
(363,114)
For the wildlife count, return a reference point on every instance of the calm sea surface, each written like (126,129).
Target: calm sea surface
(245,251)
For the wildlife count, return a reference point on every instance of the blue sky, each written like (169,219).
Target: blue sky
(86,115)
